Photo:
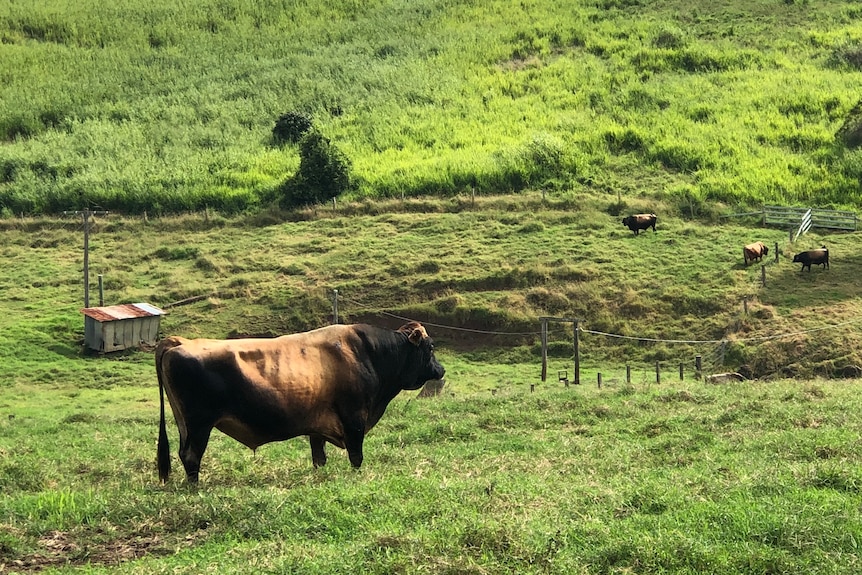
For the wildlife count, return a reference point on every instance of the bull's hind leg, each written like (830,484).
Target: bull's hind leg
(192,449)
(318,455)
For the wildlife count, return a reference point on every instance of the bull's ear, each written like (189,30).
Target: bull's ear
(414,331)
(417,335)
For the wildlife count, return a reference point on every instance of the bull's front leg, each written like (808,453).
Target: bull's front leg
(354,436)
(318,455)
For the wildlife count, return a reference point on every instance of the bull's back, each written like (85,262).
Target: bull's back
(816,256)
(754,248)
(295,363)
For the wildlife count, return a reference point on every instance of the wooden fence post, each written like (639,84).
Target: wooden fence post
(657,373)
(599,377)
(763,275)
(577,355)
(697,367)
(628,373)
(334,306)
(681,378)
(544,348)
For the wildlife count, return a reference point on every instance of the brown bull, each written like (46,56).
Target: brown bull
(818,257)
(638,222)
(332,384)
(754,251)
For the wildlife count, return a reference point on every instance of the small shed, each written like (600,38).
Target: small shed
(118,327)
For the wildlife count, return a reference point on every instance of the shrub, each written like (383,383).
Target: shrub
(324,173)
(291,127)
(669,37)
(850,133)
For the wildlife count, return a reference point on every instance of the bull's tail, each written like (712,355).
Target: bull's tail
(163,456)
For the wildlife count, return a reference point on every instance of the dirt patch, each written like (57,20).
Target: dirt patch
(59,548)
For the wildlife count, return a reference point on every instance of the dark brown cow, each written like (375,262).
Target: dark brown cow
(754,251)
(331,384)
(818,257)
(638,222)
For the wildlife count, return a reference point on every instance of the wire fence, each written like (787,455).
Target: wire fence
(711,361)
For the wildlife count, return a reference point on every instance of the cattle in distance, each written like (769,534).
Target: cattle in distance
(638,222)
(332,384)
(818,257)
(754,251)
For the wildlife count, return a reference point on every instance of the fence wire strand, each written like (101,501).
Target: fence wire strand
(721,343)
(437,325)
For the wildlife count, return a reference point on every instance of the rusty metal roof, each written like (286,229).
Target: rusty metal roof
(123,311)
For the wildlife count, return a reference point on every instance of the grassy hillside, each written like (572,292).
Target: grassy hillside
(481,272)
(164,107)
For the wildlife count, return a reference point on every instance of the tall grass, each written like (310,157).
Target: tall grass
(166,108)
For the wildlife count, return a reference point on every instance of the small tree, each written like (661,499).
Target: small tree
(324,173)
(291,127)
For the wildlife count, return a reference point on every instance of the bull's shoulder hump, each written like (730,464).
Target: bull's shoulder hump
(321,336)
(169,343)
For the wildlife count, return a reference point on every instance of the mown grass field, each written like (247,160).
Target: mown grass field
(168,108)
(675,477)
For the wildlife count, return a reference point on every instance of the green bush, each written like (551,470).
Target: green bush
(324,173)
(291,127)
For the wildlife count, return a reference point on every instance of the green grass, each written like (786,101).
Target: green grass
(678,478)
(160,108)
(502,473)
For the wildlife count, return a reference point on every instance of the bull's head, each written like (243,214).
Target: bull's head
(428,366)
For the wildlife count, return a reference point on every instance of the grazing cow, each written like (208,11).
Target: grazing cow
(818,257)
(754,251)
(638,222)
(331,384)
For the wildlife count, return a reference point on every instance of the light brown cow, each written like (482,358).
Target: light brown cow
(754,251)
(332,384)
